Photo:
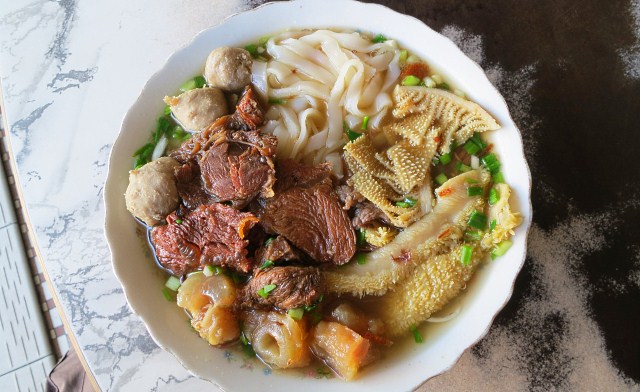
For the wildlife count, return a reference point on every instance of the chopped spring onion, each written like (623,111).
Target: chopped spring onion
(497,178)
(167,294)
(494,196)
(462,167)
(410,80)
(253,50)
(465,254)
(378,39)
(428,82)
(266,264)
(179,133)
(478,140)
(492,163)
(167,110)
(361,258)
(365,123)
(178,221)
(269,240)
(191,84)
(277,101)
(350,134)
(309,308)
(445,158)
(296,313)
(471,147)
(403,56)
(413,59)
(473,235)
(416,334)
(441,178)
(437,79)
(173,283)
(263,40)
(406,203)
(474,191)
(243,339)
(475,162)
(435,161)
(492,225)
(210,270)
(471,181)
(477,220)
(264,292)
(159,149)
(444,86)
(501,249)
(361,237)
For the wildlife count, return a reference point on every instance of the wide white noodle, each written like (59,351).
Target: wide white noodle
(325,78)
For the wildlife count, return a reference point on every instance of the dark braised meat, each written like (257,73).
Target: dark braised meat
(235,160)
(210,234)
(294,287)
(277,250)
(189,184)
(348,196)
(366,213)
(307,212)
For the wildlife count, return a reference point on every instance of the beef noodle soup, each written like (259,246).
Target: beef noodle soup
(317,195)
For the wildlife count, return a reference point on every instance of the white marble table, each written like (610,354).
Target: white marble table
(70,69)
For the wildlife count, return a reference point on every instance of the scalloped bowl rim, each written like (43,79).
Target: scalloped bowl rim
(163,321)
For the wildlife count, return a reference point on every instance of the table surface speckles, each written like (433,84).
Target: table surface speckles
(569,70)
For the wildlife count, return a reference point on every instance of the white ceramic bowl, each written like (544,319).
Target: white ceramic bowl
(408,365)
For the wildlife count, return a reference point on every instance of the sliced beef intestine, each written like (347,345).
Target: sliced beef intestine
(306,211)
(212,234)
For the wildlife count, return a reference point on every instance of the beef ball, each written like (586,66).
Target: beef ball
(152,193)
(228,68)
(198,108)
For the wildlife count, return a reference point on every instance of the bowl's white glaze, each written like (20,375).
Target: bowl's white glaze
(405,368)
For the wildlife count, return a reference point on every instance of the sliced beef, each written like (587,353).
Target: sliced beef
(294,287)
(211,234)
(190,188)
(348,196)
(366,213)
(307,212)
(277,250)
(235,160)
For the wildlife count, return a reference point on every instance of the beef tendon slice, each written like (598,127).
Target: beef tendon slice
(212,234)
(311,217)
(291,287)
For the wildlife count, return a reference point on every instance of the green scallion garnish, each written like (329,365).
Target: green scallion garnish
(478,140)
(403,56)
(411,80)
(445,158)
(361,258)
(441,178)
(492,225)
(350,134)
(253,50)
(497,178)
(361,237)
(491,162)
(267,264)
(277,101)
(473,235)
(264,292)
(167,294)
(462,168)
(465,254)
(167,110)
(407,202)
(416,334)
(501,249)
(178,221)
(194,83)
(378,39)
(435,161)
(173,283)
(243,339)
(474,191)
(296,313)
(444,86)
(494,196)
(471,147)
(365,123)
(210,270)
(477,220)
(269,240)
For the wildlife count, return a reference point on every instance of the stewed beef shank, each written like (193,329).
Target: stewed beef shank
(212,234)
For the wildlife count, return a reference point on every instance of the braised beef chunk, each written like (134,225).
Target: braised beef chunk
(366,213)
(189,184)
(277,249)
(348,196)
(309,215)
(292,174)
(294,287)
(210,234)
(234,159)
